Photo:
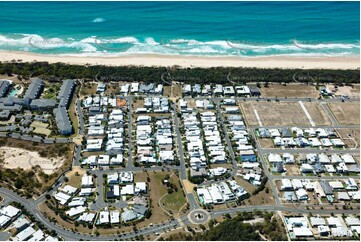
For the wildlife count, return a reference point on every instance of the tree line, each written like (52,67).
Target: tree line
(59,71)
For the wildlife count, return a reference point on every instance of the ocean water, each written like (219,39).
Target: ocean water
(182,28)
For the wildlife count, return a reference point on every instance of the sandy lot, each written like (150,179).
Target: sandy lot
(41,128)
(16,157)
(347,112)
(277,90)
(274,113)
(318,115)
(345,90)
(351,137)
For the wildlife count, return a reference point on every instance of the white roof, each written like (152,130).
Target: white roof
(317,221)
(50,238)
(352,221)
(10,211)
(302,232)
(26,233)
(68,189)
(127,190)
(87,217)
(114,217)
(62,198)
(140,187)
(335,221)
(4,220)
(104,217)
(75,211)
(37,236)
(87,180)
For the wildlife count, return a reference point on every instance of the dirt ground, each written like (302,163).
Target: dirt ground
(318,115)
(274,113)
(167,91)
(292,170)
(176,91)
(345,90)
(277,90)
(266,143)
(41,128)
(75,180)
(17,157)
(352,140)
(88,89)
(347,112)
(139,103)
(188,186)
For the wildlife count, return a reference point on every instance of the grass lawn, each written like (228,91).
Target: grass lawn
(156,191)
(51,91)
(74,180)
(175,200)
(72,116)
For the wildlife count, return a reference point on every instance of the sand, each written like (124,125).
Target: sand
(17,157)
(192,61)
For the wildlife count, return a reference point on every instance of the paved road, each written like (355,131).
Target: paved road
(229,144)
(130,127)
(79,111)
(183,172)
(77,152)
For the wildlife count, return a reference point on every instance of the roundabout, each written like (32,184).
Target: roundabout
(198,216)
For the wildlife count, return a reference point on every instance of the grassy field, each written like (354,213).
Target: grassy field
(346,113)
(274,113)
(156,191)
(277,90)
(175,200)
(72,115)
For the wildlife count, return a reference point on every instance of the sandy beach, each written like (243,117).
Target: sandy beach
(192,61)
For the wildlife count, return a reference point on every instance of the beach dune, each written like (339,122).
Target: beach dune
(287,62)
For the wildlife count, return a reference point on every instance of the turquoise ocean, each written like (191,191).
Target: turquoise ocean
(242,29)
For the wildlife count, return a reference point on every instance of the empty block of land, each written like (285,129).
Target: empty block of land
(317,113)
(274,113)
(347,112)
(298,90)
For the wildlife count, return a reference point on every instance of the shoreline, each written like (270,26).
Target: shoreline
(284,62)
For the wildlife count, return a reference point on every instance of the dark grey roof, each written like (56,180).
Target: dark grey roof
(326,187)
(42,103)
(34,89)
(62,120)
(140,209)
(4,87)
(66,93)
(5,114)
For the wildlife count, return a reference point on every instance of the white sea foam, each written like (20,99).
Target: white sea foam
(133,45)
(98,20)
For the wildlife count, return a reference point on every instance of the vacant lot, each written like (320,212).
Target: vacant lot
(266,143)
(274,113)
(41,128)
(277,90)
(318,115)
(21,158)
(353,91)
(292,170)
(175,200)
(167,91)
(88,89)
(347,112)
(351,137)
(176,91)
